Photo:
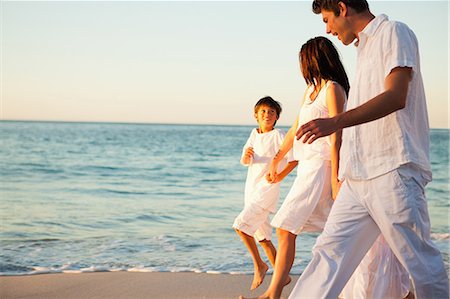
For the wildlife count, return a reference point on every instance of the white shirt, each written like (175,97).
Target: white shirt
(321,148)
(265,146)
(375,148)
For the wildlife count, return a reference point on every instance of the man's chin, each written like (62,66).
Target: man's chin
(347,41)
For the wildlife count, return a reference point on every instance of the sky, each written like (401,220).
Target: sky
(202,62)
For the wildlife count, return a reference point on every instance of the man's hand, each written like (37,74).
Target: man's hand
(317,128)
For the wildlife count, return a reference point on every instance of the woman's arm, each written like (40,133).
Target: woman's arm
(284,149)
(335,99)
(287,170)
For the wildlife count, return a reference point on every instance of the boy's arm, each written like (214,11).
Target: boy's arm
(335,99)
(392,99)
(247,152)
(246,158)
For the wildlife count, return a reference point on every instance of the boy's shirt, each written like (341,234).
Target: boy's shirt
(257,189)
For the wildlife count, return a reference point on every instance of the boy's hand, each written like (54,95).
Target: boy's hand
(248,155)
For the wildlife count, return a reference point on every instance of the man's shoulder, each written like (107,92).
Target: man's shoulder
(395,26)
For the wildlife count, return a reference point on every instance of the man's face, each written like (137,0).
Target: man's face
(338,26)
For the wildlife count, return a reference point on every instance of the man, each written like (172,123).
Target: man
(384,158)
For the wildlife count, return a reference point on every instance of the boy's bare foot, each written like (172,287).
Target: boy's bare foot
(258,277)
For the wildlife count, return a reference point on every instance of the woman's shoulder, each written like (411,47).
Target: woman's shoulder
(335,87)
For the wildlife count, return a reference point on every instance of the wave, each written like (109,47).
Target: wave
(24,271)
(440,236)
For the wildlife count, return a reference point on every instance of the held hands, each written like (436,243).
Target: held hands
(272,175)
(317,128)
(248,155)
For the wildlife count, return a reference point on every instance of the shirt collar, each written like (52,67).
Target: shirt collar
(371,28)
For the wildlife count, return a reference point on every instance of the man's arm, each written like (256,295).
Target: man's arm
(392,99)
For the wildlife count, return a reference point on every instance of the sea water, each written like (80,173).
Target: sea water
(86,197)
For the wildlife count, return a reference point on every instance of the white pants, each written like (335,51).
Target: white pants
(393,204)
(379,275)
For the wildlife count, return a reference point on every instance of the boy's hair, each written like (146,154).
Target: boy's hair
(332,5)
(319,60)
(268,101)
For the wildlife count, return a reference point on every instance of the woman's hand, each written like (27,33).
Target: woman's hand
(335,187)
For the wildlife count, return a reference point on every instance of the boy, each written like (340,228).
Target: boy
(261,196)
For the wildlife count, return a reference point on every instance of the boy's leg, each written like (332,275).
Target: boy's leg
(400,209)
(270,250)
(283,264)
(260,267)
(348,234)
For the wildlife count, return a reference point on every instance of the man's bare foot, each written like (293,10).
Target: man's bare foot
(258,277)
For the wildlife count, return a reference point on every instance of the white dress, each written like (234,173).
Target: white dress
(308,203)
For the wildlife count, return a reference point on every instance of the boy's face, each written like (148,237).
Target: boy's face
(266,117)
(338,25)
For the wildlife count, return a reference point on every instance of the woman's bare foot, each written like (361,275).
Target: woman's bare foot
(288,281)
(258,277)
(260,297)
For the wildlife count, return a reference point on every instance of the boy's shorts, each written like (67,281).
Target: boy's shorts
(254,221)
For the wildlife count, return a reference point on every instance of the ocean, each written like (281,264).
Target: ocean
(88,197)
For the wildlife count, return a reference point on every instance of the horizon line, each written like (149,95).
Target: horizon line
(149,123)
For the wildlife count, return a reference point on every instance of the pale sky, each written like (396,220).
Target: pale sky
(204,62)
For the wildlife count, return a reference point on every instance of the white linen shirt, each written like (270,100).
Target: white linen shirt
(375,148)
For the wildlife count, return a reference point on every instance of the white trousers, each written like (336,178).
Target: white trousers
(393,204)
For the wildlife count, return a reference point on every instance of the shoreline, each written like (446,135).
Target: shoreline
(155,285)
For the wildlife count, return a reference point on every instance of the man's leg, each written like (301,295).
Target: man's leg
(348,234)
(399,208)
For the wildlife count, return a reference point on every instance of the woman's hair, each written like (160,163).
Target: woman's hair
(332,5)
(319,60)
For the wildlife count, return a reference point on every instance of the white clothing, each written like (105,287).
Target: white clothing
(379,275)
(257,189)
(309,201)
(254,221)
(393,203)
(320,149)
(261,197)
(385,166)
(375,148)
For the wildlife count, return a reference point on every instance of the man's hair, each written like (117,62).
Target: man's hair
(332,5)
(268,101)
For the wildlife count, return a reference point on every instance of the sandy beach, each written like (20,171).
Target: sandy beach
(131,285)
